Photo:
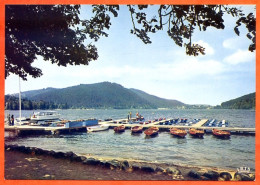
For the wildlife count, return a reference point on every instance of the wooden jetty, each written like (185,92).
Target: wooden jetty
(35,130)
(27,130)
(200,124)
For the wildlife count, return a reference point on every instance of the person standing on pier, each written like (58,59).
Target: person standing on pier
(12,120)
(9,119)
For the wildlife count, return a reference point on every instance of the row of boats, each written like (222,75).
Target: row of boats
(186,122)
(153,131)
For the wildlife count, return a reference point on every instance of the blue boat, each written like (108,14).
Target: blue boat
(176,120)
(212,122)
(81,123)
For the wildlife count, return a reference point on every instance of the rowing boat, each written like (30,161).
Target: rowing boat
(98,128)
(178,132)
(196,132)
(137,129)
(221,133)
(120,128)
(151,131)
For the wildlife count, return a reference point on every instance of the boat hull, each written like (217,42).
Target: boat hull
(196,133)
(178,132)
(152,131)
(120,128)
(137,129)
(221,133)
(98,128)
(81,123)
(45,115)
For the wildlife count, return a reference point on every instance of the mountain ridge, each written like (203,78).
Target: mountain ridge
(110,95)
(100,95)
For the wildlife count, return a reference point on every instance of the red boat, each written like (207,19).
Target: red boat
(152,131)
(221,133)
(120,128)
(196,132)
(178,132)
(137,129)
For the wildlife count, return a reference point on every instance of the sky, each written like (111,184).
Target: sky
(227,71)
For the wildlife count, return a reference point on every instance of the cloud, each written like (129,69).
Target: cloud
(238,42)
(233,43)
(240,56)
(190,68)
(185,68)
(208,49)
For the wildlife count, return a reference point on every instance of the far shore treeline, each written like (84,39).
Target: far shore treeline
(12,103)
(108,95)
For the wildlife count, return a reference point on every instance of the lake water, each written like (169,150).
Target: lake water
(209,152)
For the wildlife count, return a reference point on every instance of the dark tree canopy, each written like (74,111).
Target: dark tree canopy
(56,32)
(181,21)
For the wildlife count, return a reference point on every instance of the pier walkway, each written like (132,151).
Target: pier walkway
(26,129)
(200,123)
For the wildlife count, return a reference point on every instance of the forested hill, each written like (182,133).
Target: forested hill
(243,102)
(99,95)
(159,102)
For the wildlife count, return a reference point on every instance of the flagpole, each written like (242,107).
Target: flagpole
(20,100)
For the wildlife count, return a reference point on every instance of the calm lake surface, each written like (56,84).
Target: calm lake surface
(209,152)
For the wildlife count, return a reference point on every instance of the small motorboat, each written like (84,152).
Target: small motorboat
(45,115)
(98,128)
(178,132)
(196,132)
(137,129)
(120,128)
(221,133)
(152,131)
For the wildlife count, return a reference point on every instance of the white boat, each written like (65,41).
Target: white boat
(45,115)
(97,128)
(21,121)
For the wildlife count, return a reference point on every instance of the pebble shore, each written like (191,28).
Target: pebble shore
(68,165)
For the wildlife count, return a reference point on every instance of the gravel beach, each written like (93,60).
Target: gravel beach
(20,166)
(23,163)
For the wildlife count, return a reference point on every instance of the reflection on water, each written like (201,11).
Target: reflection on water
(209,151)
(181,140)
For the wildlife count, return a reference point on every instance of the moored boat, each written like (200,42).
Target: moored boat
(22,121)
(178,132)
(45,115)
(137,129)
(81,123)
(98,128)
(221,133)
(120,128)
(196,132)
(151,131)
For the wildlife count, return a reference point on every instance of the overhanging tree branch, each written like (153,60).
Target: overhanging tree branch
(56,32)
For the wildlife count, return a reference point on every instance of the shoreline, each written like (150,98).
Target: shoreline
(73,167)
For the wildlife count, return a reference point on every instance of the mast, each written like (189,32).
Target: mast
(20,101)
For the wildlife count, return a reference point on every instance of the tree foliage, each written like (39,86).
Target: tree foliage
(12,103)
(180,21)
(57,33)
